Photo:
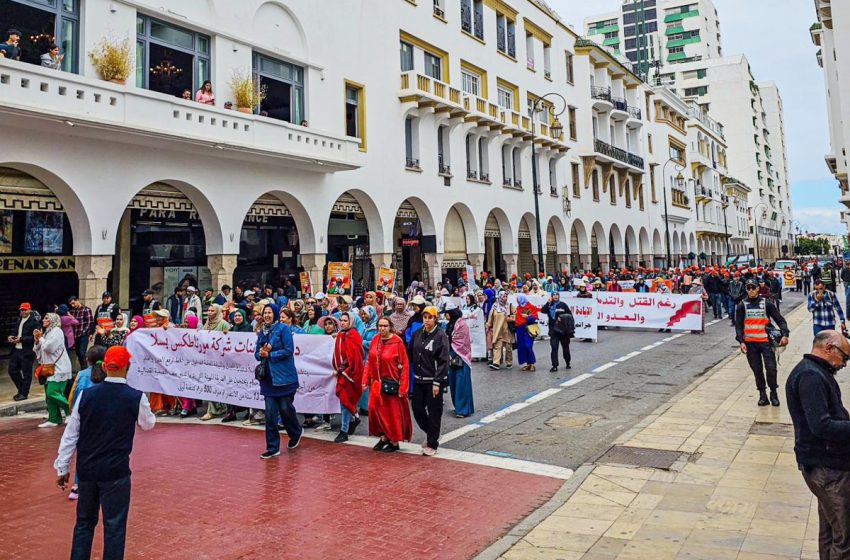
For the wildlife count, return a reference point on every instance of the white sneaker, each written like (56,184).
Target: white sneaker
(323,427)
(429,451)
(48,424)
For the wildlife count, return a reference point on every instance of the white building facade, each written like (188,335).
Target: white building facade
(393,134)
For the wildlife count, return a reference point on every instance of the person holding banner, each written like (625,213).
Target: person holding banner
(279,382)
(460,361)
(526,318)
(348,367)
(499,324)
(429,359)
(387,381)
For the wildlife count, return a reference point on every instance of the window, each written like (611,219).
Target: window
(472,17)
(547,61)
(649,142)
(677,153)
(355,112)
(628,193)
(652,183)
(553,178)
(443,156)
(505,99)
(573,124)
(517,167)
(170,59)
(570,68)
(507,165)
(411,143)
(483,159)
(433,66)
(406,56)
(574,168)
(594,178)
(284,84)
(42,22)
(470,83)
(505,35)
(529,51)
(612,189)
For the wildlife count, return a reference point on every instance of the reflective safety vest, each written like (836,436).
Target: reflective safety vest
(755,323)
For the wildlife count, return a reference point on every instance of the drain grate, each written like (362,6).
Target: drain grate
(771,429)
(640,457)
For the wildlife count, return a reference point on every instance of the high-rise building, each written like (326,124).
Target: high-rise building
(654,34)
(832,34)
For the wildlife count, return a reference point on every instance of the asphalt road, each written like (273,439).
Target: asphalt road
(581,421)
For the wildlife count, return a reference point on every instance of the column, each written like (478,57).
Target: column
(604,262)
(314,265)
(510,264)
(379,260)
(563,262)
(585,261)
(621,260)
(477,262)
(435,268)
(92,271)
(121,270)
(221,270)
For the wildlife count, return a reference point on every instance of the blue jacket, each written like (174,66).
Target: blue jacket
(282,356)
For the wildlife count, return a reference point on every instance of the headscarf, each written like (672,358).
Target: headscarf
(491,298)
(62,310)
(276,311)
(350,316)
(192,321)
(245,326)
(216,322)
(140,322)
(399,320)
(521,300)
(54,321)
(500,305)
(454,314)
(125,328)
(372,323)
(317,314)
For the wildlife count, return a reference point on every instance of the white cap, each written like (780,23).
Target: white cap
(191,289)
(248,293)
(320,296)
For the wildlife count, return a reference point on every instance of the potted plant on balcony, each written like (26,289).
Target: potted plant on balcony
(113,59)
(248,93)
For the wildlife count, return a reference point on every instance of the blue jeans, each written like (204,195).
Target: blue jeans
(346,418)
(818,328)
(846,294)
(730,306)
(716,306)
(114,498)
(281,408)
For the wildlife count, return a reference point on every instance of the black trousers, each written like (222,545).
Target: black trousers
(428,411)
(20,370)
(756,353)
(832,489)
(114,498)
(564,343)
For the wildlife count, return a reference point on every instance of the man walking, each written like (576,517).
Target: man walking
(83,329)
(21,360)
(845,277)
(752,318)
(823,305)
(822,438)
(101,430)
(562,326)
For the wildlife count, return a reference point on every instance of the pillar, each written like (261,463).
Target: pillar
(434,261)
(221,270)
(490,255)
(314,265)
(121,265)
(477,262)
(511,260)
(604,263)
(92,271)
(621,260)
(564,262)
(585,261)
(379,260)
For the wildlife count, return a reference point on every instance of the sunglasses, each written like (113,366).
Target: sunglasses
(750,288)
(844,357)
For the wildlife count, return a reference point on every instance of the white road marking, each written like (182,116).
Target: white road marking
(504,412)
(603,367)
(713,322)
(628,356)
(463,430)
(675,336)
(542,395)
(577,379)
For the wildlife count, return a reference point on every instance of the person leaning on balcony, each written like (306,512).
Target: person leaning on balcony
(205,94)
(52,58)
(10,48)
(187,95)
(821,436)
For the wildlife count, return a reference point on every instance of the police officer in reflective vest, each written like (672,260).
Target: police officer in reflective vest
(752,318)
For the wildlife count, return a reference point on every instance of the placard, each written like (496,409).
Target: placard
(386,280)
(339,278)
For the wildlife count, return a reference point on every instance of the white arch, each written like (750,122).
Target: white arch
(582,237)
(474,239)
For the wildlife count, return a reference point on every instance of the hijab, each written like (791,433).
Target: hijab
(500,305)
(521,300)
(317,314)
(276,311)
(372,323)
(454,314)
(54,321)
(214,323)
(398,320)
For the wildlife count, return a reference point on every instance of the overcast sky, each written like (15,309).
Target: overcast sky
(774,35)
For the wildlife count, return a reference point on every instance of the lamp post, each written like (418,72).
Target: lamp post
(556,129)
(756,229)
(680,182)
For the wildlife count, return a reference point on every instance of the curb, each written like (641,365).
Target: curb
(21,407)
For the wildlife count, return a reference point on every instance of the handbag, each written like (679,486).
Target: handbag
(455,361)
(261,370)
(43,371)
(533,330)
(389,386)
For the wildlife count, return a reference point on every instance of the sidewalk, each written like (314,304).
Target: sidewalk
(734,493)
(10,407)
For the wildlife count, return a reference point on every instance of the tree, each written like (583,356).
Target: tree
(816,246)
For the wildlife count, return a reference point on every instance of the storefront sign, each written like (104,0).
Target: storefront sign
(217,366)
(20,265)
(339,278)
(386,280)
(410,242)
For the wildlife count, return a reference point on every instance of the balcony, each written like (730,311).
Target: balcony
(427,91)
(635,112)
(618,154)
(602,98)
(412,164)
(137,114)
(621,109)
(703,194)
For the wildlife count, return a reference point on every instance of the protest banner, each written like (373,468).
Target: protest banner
(386,280)
(477,332)
(682,312)
(584,314)
(339,278)
(306,285)
(219,367)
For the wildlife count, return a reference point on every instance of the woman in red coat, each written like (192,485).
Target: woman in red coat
(389,415)
(348,367)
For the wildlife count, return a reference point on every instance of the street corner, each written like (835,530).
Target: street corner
(206,485)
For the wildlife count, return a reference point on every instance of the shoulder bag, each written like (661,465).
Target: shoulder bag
(261,370)
(44,371)
(389,386)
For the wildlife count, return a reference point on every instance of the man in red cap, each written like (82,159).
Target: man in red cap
(21,360)
(101,430)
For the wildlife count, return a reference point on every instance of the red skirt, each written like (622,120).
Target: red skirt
(389,415)
(348,393)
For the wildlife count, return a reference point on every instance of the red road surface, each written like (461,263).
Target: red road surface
(202,492)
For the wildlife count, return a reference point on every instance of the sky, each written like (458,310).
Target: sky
(774,35)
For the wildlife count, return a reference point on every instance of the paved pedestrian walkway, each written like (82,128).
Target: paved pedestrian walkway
(735,493)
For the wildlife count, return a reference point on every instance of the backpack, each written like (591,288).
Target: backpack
(565,325)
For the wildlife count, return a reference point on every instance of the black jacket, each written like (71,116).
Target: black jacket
(772,313)
(429,357)
(554,312)
(27,339)
(821,423)
(845,274)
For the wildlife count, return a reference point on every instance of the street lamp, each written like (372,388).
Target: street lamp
(680,182)
(756,229)
(556,129)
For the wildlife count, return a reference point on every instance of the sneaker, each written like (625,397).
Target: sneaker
(229,417)
(74,494)
(48,424)
(763,400)
(553,369)
(774,398)
(390,448)
(380,445)
(269,454)
(353,426)
(429,451)
(323,427)
(342,437)
(494,366)
(509,366)
(186,413)
(293,443)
